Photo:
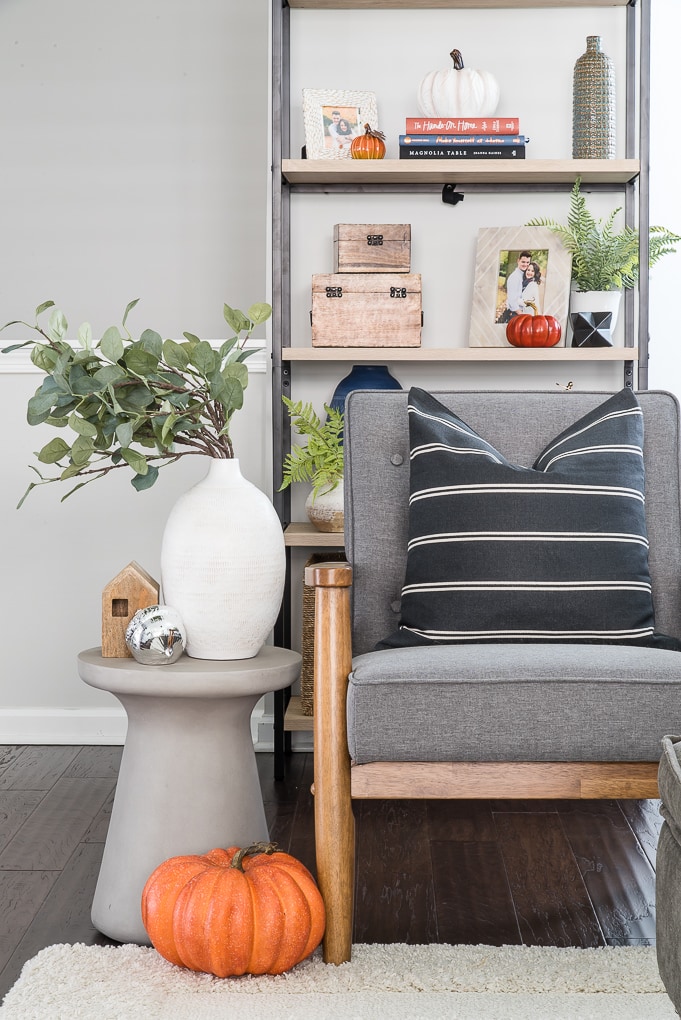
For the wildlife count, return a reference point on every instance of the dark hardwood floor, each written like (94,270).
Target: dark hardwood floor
(564,873)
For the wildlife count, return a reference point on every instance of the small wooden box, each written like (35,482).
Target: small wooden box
(366,310)
(372,248)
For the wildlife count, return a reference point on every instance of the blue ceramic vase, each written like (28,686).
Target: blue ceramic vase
(363,377)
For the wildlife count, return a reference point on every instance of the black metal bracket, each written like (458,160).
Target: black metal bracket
(450,195)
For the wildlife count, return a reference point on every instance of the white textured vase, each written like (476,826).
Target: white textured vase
(325,511)
(223,564)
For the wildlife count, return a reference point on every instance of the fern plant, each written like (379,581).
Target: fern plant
(603,259)
(321,460)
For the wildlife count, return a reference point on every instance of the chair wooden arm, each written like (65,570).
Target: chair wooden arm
(334,820)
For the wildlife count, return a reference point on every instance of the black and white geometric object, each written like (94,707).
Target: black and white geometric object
(591,329)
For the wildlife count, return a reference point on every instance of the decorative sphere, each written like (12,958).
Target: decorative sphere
(156,635)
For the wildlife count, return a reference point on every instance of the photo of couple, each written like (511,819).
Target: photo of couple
(341,125)
(521,284)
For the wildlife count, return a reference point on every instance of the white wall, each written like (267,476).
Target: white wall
(135,165)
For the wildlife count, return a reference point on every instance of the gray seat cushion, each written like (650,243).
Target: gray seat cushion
(513,702)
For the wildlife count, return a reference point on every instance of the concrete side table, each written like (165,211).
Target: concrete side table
(188,780)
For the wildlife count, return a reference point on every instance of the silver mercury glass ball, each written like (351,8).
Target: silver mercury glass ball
(156,635)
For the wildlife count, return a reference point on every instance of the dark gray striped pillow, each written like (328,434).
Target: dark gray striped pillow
(498,552)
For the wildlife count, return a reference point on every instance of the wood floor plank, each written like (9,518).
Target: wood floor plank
(646,821)
(64,915)
(460,820)
(97,830)
(22,893)
(302,843)
(551,902)
(51,833)
(15,807)
(472,897)
(9,754)
(616,872)
(38,767)
(395,900)
(94,762)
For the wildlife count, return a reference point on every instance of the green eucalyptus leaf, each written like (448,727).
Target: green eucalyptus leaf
(111,344)
(54,451)
(246,353)
(175,355)
(129,307)
(136,460)
(227,347)
(167,429)
(193,339)
(235,370)
(204,358)
(39,408)
(43,307)
(82,426)
(44,357)
(152,342)
(124,433)
(14,347)
(109,374)
(134,398)
(232,396)
(139,361)
(70,472)
(57,325)
(82,450)
(85,334)
(259,312)
(75,489)
(82,384)
(236,319)
(142,482)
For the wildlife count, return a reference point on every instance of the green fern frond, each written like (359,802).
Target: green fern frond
(321,460)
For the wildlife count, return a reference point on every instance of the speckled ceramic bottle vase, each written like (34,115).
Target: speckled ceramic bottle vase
(593,104)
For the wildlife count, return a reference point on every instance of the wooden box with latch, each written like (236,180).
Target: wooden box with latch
(366,310)
(372,247)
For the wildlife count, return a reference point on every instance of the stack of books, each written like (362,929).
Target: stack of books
(462,138)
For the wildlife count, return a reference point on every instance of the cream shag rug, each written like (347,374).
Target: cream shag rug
(395,982)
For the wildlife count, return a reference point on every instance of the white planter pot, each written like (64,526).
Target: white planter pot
(597,301)
(326,511)
(223,564)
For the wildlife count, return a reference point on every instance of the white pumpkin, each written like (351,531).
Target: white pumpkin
(458,92)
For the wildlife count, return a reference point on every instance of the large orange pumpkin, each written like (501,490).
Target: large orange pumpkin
(227,912)
(533,331)
(370,145)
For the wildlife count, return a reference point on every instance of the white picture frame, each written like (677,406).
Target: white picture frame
(497,257)
(333,117)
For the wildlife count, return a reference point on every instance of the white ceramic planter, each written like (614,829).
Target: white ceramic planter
(223,564)
(326,511)
(597,301)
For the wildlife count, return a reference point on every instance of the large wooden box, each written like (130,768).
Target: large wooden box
(372,248)
(366,310)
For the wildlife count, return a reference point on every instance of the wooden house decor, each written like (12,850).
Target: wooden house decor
(132,589)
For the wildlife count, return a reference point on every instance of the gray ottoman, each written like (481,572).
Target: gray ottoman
(668,870)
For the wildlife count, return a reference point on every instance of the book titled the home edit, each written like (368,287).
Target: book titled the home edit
(463,125)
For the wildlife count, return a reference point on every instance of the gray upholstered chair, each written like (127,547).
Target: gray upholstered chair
(540,720)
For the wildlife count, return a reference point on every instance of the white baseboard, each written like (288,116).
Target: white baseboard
(63,726)
(107,726)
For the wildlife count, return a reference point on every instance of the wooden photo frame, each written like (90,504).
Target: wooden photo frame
(333,117)
(541,259)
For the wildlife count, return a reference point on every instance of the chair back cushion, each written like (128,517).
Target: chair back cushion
(519,425)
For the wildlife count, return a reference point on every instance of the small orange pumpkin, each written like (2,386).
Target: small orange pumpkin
(533,331)
(227,912)
(370,145)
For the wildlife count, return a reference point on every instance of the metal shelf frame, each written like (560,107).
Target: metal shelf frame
(636,192)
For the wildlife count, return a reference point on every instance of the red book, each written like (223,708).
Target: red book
(462,125)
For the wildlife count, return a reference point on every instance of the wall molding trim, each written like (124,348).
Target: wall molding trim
(19,362)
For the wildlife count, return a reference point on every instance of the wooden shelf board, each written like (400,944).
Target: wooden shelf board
(300,533)
(294,718)
(459,171)
(323,5)
(376,355)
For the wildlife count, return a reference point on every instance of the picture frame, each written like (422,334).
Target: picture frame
(502,253)
(333,117)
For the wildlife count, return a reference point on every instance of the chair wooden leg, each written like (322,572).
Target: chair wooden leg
(334,820)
